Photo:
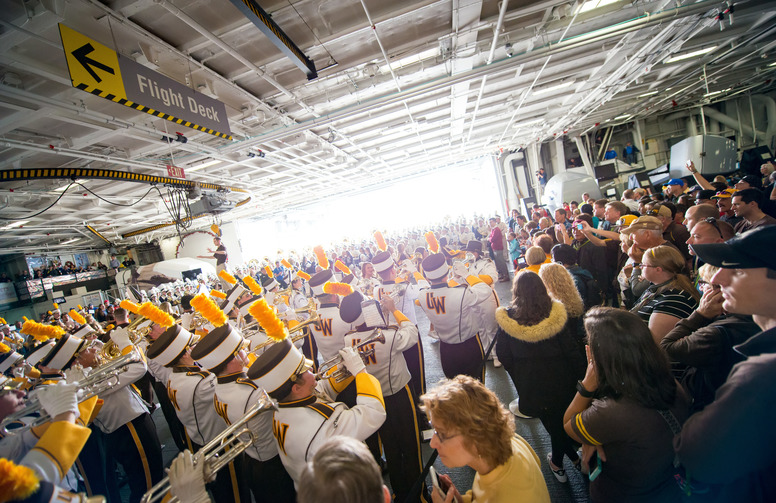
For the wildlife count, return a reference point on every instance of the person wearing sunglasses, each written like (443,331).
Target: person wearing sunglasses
(472,428)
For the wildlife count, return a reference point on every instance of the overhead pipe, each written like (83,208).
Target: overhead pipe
(594,37)
(491,54)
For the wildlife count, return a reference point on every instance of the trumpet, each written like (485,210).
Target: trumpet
(220,451)
(339,375)
(100,380)
(314,317)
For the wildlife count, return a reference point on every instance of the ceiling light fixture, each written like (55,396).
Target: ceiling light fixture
(650,93)
(622,117)
(69,241)
(688,55)
(203,166)
(14,225)
(553,87)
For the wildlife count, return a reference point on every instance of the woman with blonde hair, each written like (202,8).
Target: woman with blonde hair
(671,295)
(472,428)
(561,287)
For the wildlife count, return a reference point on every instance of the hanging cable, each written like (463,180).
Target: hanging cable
(111,202)
(43,210)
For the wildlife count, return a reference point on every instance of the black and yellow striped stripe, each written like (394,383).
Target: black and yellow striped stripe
(141,108)
(97,233)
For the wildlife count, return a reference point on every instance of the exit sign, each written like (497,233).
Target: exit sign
(175,172)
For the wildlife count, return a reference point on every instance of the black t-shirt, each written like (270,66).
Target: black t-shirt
(221,257)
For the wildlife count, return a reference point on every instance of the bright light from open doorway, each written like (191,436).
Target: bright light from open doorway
(444,196)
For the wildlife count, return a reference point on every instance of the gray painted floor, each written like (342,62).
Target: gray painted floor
(499,382)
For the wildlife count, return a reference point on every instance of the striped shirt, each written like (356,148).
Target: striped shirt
(673,302)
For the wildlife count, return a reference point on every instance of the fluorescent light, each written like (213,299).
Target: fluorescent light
(714,93)
(621,117)
(528,122)
(14,225)
(650,93)
(202,166)
(688,55)
(772,64)
(69,241)
(553,87)
(593,4)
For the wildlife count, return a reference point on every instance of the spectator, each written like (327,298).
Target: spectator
(724,201)
(739,422)
(543,360)
(704,341)
(472,428)
(629,201)
(514,249)
(628,382)
(629,153)
(562,287)
(675,188)
(610,154)
(114,263)
(746,204)
(588,288)
(670,297)
(612,213)
(497,245)
(4,278)
(534,258)
(676,234)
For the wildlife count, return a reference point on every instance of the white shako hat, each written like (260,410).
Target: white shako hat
(40,351)
(319,279)
(170,345)
(382,261)
(276,370)
(217,346)
(435,266)
(269,283)
(64,352)
(8,360)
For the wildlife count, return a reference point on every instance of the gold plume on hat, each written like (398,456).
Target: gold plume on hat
(269,272)
(208,309)
(342,267)
(268,319)
(303,274)
(129,306)
(76,316)
(156,315)
(224,275)
(217,294)
(431,239)
(251,283)
(323,261)
(286,263)
(341,289)
(380,241)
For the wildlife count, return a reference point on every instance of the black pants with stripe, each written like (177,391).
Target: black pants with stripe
(91,464)
(177,430)
(268,480)
(464,358)
(226,487)
(400,438)
(135,446)
(415,364)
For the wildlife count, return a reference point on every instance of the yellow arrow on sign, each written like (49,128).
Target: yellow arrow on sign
(91,64)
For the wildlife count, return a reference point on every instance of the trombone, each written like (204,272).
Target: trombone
(341,373)
(220,451)
(100,380)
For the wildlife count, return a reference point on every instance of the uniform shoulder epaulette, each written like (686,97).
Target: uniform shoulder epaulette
(322,409)
(202,373)
(250,383)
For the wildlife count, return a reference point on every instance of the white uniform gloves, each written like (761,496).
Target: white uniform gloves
(120,337)
(352,360)
(58,399)
(187,480)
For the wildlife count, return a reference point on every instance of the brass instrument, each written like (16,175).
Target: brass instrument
(339,375)
(111,351)
(100,380)
(309,308)
(280,294)
(220,451)
(314,317)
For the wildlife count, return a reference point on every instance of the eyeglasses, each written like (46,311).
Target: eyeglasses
(444,438)
(713,222)
(643,265)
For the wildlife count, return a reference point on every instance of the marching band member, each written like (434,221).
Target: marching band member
(303,422)
(368,280)
(191,390)
(452,310)
(404,295)
(399,434)
(221,352)
(130,434)
(330,330)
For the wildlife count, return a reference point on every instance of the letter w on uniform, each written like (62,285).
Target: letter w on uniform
(326,326)
(435,303)
(221,410)
(279,430)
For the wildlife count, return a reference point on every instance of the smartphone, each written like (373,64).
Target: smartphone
(595,473)
(579,226)
(435,482)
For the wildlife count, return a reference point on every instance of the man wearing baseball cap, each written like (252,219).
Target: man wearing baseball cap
(730,442)
(676,188)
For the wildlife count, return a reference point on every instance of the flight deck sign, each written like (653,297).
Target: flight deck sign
(101,71)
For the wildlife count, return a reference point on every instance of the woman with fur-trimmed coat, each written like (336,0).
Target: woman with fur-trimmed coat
(540,357)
